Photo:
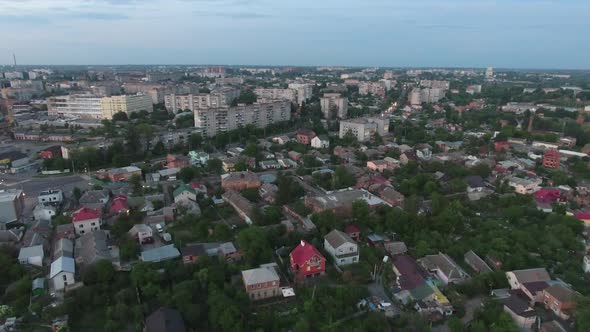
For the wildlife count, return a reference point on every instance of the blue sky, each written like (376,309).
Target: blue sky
(453,33)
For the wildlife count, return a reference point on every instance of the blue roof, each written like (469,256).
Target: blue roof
(160,254)
(62,264)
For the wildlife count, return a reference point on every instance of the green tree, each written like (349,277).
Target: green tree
(136,185)
(214,165)
(187,174)
(120,116)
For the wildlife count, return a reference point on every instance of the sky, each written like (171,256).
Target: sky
(396,33)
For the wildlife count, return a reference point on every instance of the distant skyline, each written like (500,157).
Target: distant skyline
(389,33)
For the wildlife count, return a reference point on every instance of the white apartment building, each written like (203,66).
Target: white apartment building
(334,104)
(374,88)
(81,106)
(94,107)
(304,91)
(174,103)
(445,85)
(212,121)
(426,95)
(364,128)
(288,94)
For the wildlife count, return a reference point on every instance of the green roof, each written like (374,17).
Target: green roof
(421,292)
(182,188)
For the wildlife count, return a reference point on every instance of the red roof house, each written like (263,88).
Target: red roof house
(502,145)
(306,262)
(353,231)
(119,204)
(548,196)
(86,220)
(304,136)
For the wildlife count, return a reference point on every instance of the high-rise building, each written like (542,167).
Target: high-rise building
(94,107)
(304,91)
(127,104)
(489,72)
(288,94)
(374,88)
(334,105)
(218,98)
(212,121)
(364,128)
(415,97)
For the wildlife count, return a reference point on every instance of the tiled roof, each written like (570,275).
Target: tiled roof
(85,213)
(303,252)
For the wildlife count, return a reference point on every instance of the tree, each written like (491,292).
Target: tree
(76,193)
(120,116)
(159,149)
(214,165)
(360,211)
(195,141)
(289,190)
(135,182)
(187,174)
(253,240)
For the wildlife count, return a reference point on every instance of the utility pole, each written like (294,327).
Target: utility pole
(14,58)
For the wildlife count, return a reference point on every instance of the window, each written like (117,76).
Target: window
(80,226)
(93,224)
(65,278)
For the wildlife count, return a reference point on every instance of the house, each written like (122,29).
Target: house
(239,181)
(160,254)
(501,145)
(445,268)
(377,165)
(31,255)
(388,194)
(552,326)
(320,142)
(119,204)
(474,183)
(476,263)
(353,231)
(44,212)
(62,273)
(516,305)
(94,199)
(177,161)
(39,233)
(164,320)
(517,278)
(341,247)
(559,299)
(551,159)
(63,247)
(243,207)
(92,247)
(261,283)
(228,251)
(86,220)
(586,264)
(38,287)
(304,136)
(184,194)
(120,174)
(294,155)
(191,253)
(269,164)
(11,237)
(408,156)
(268,192)
(12,202)
(55,151)
(340,201)
(306,262)
(281,140)
(142,232)
(199,188)
(524,186)
(55,197)
(531,282)
(395,247)
(168,174)
(198,158)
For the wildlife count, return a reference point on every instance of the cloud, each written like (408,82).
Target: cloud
(98,16)
(233,15)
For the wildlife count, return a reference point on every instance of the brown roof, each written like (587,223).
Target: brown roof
(530,275)
(560,293)
(476,263)
(337,238)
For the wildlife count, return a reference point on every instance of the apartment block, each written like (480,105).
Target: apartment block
(374,88)
(287,94)
(192,102)
(304,91)
(334,106)
(364,128)
(215,120)
(127,104)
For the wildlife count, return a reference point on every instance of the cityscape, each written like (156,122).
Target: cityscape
(372,194)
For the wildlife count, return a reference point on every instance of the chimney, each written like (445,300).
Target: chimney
(302,243)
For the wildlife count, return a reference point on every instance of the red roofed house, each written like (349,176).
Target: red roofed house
(304,136)
(502,145)
(119,204)
(86,220)
(179,161)
(548,195)
(551,159)
(306,262)
(584,217)
(353,231)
